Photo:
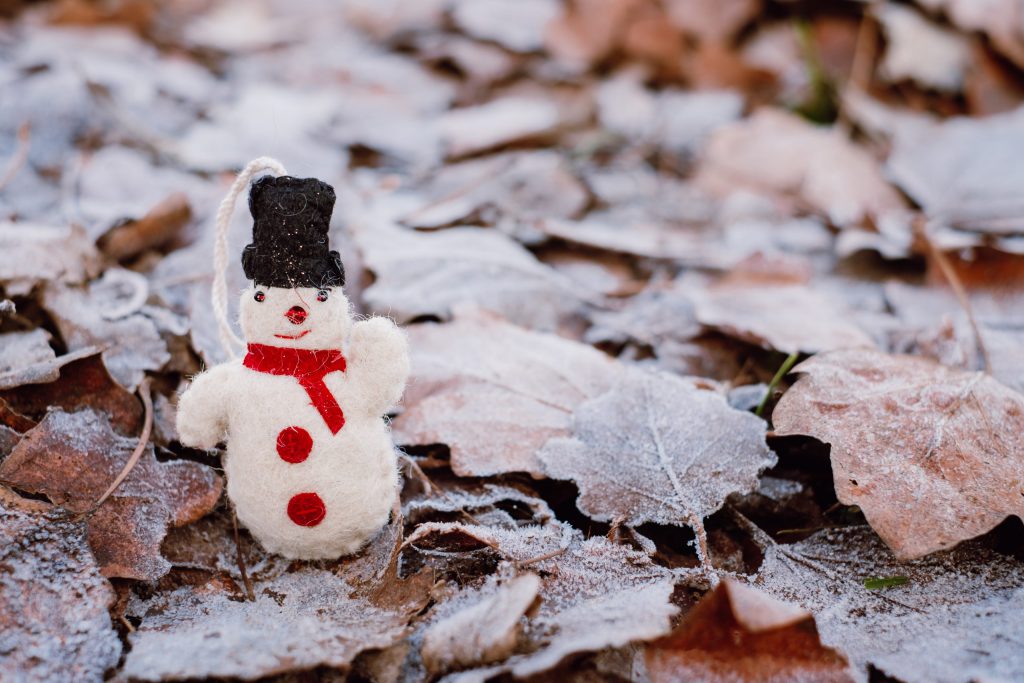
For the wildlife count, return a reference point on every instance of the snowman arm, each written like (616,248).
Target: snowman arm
(378,364)
(202,419)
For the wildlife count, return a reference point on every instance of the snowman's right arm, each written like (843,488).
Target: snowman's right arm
(202,419)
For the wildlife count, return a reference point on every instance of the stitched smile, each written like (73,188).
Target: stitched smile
(292,336)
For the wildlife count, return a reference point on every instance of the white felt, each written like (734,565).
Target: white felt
(354,471)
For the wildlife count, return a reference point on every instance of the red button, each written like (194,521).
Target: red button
(306,509)
(294,444)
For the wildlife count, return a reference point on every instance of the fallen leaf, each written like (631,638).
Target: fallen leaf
(955,619)
(588,31)
(431,274)
(737,633)
(962,171)
(495,393)
(517,25)
(920,51)
(34,254)
(999,19)
(504,121)
(712,20)
(773,151)
(131,343)
(159,226)
(82,382)
(656,449)
(789,318)
(929,453)
(299,621)
(518,186)
(483,631)
(72,458)
(54,623)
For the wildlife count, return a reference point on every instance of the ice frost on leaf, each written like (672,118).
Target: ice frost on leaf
(957,617)
(515,24)
(921,51)
(774,151)
(656,449)
(72,458)
(482,632)
(737,634)
(429,274)
(932,455)
(131,342)
(54,623)
(299,621)
(495,393)
(784,317)
(39,253)
(964,172)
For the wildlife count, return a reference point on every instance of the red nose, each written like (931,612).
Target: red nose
(296,315)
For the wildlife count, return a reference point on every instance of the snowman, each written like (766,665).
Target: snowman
(311,469)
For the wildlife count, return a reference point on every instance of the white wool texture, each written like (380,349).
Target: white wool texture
(354,472)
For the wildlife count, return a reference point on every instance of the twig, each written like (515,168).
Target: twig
(948,272)
(241,560)
(540,558)
(147,428)
(20,155)
(783,370)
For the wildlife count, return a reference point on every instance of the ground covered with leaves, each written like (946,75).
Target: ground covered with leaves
(714,305)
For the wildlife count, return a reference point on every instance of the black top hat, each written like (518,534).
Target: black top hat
(291,217)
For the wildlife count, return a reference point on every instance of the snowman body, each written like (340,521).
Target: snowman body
(311,468)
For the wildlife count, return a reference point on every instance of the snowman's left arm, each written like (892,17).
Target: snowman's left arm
(378,364)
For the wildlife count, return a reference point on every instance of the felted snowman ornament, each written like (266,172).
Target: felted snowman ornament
(311,468)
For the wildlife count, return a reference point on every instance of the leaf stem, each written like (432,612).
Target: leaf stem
(784,369)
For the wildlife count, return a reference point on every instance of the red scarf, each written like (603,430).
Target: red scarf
(309,367)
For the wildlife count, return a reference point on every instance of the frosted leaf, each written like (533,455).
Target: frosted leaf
(514,24)
(778,152)
(595,594)
(54,623)
(430,274)
(921,51)
(957,617)
(73,457)
(38,253)
(737,633)
(488,504)
(785,317)
(522,186)
(656,449)
(932,455)
(299,621)
(964,172)
(495,393)
(484,631)
(497,123)
(132,344)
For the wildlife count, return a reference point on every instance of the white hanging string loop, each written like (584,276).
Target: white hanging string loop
(228,339)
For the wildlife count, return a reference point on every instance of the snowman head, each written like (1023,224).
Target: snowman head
(296,299)
(295,317)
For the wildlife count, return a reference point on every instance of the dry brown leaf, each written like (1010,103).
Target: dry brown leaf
(932,455)
(159,226)
(588,31)
(72,458)
(431,274)
(738,634)
(778,153)
(656,449)
(54,623)
(300,620)
(495,393)
(712,20)
(82,382)
(483,632)
(955,618)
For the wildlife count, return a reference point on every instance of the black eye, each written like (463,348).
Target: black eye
(259,296)
(322,295)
